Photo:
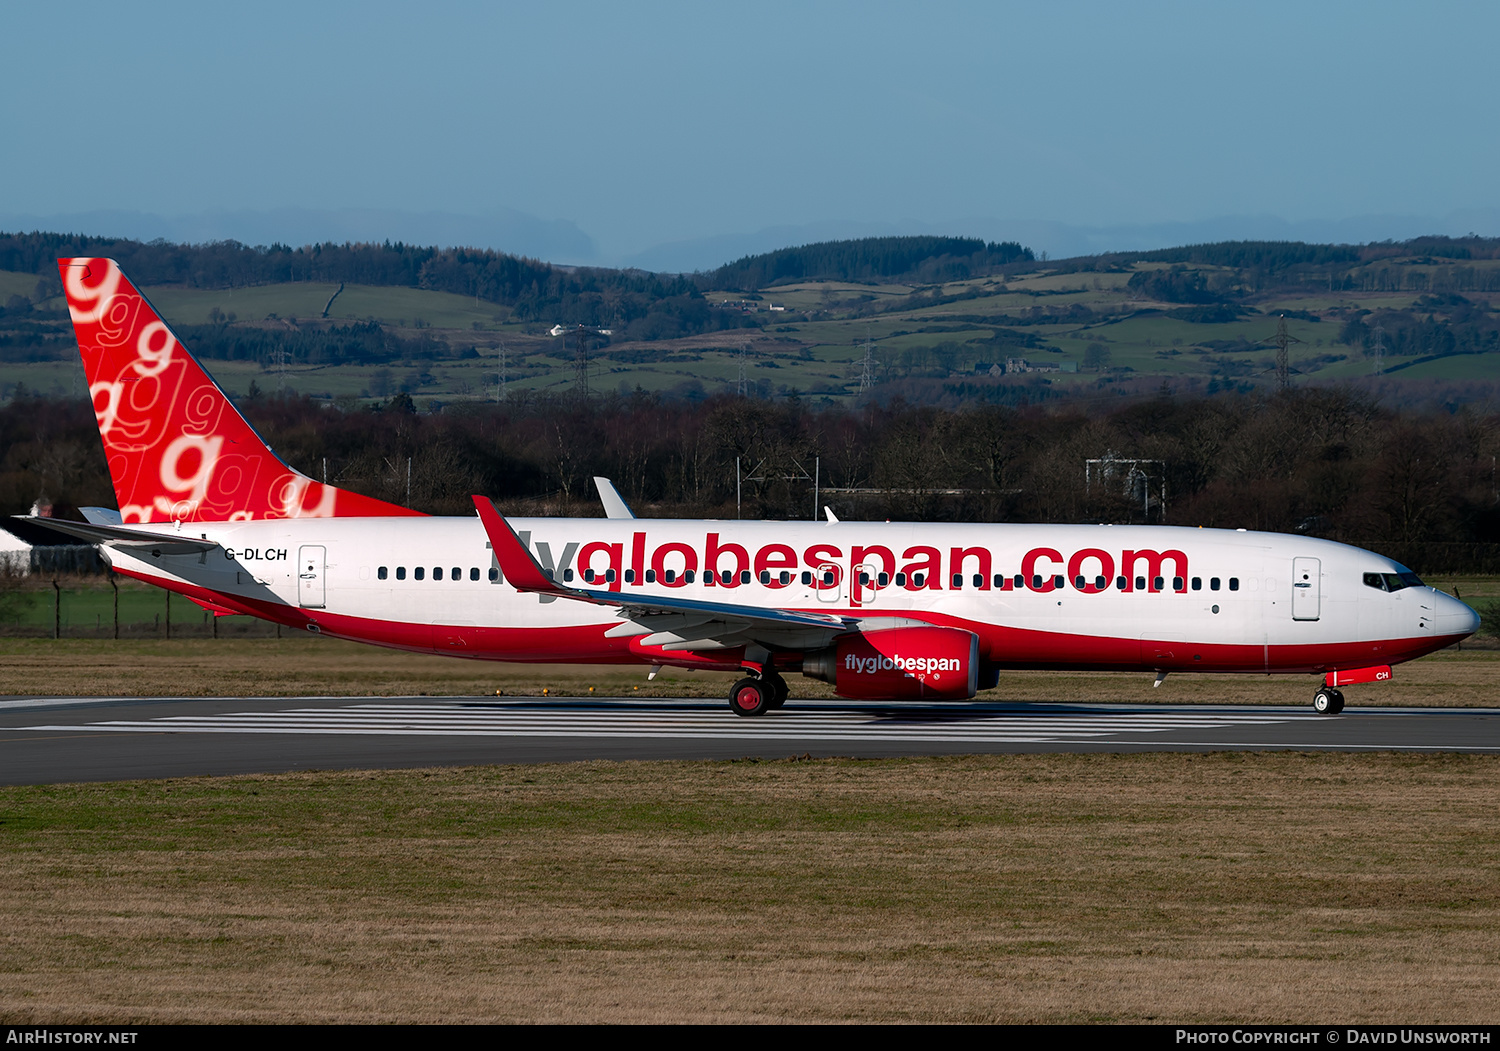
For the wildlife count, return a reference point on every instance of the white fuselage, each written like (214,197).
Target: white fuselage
(1172,598)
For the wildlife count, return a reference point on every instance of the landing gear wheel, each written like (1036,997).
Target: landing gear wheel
(779,689)
(750,697)
(1328,701)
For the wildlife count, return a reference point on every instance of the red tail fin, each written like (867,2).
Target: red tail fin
(177,449)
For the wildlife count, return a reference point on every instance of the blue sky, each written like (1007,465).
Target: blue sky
(672,133)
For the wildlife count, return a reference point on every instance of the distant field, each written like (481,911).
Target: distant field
(14,284)
(401,307)
(818,357)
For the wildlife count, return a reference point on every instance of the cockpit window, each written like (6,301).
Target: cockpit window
(1393,581)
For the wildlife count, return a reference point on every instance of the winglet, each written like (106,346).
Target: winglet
(519,568)
(614,504)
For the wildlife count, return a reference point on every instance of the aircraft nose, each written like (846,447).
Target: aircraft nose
(1454,617)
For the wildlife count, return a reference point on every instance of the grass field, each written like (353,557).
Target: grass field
(1029,888)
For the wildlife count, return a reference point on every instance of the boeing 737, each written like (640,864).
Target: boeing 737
(880,610)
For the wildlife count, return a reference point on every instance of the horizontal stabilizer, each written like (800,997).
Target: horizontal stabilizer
(123,536)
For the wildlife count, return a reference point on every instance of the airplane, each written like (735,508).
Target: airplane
(882,611)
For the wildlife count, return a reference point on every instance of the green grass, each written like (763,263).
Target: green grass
(88,609)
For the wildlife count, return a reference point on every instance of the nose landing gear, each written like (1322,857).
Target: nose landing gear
(1328,701)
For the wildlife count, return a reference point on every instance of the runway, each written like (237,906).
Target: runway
(49,740)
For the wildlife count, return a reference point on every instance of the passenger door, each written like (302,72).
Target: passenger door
(1307,587)
(311,570)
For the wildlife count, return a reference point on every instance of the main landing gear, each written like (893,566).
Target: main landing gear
(757,696)
(1328,701)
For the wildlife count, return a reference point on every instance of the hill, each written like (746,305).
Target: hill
(942,316)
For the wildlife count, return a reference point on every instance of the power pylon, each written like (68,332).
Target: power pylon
(1283,364)
(581,365)
(867,367)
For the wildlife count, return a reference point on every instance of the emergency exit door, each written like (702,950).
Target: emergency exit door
(310,573)
(1307,586)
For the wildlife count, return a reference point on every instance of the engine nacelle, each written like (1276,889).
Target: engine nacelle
(900,664)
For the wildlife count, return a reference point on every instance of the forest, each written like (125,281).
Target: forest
(1420,487)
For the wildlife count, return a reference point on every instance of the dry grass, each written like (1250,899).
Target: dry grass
(299,666)
(1161,887)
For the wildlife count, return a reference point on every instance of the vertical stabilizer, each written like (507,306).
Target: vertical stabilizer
(178,450)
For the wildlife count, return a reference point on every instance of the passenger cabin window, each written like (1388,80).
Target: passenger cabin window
(588,576)
(1057,581)
(1197,583)
(882,579)
(567,574)
(806,577)
(765,576)
(651,576)
(1100,583)
(786,577)
(958,581)
(1140,583)
(979,580)
(901,580)
(1234,583)
(1122,583)
(381,573)
(918,579)
(630,576)
(687,575)
(1178,584)
(474,573)
(1213,583)
(494,574)
(437,572)
(458,574)
(1157,583)
(400,572)
(1079,582)
(669,576)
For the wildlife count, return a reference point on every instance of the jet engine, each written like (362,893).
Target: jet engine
(900,664)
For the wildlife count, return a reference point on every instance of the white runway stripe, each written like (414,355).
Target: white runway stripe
(631,722)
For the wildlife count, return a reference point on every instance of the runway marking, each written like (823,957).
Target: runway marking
(427,720)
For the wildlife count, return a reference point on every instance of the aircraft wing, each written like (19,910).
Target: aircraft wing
(123,536)
(675,623)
